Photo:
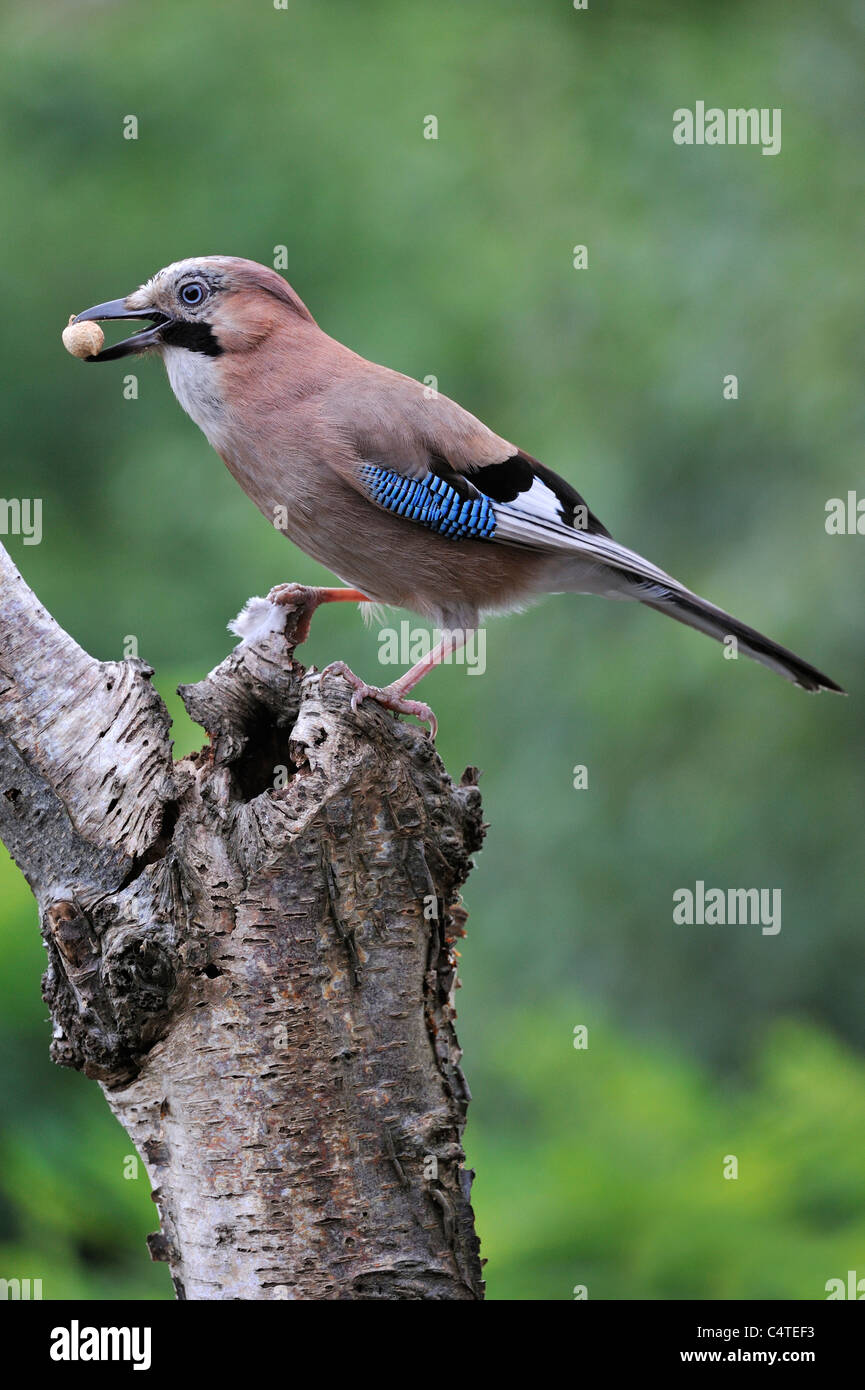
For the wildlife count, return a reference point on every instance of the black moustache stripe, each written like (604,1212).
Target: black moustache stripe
(196,337)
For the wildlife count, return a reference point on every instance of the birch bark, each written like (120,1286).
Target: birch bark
(252,951)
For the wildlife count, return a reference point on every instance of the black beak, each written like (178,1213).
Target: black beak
(116,309)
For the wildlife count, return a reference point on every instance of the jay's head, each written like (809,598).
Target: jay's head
(207,305)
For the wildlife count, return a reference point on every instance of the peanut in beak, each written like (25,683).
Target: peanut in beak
(83,339)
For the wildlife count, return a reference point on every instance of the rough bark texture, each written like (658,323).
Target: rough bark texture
(259,976)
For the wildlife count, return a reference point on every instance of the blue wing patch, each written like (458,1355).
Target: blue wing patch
(432,502)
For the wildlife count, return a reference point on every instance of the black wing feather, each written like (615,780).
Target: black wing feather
(506,481)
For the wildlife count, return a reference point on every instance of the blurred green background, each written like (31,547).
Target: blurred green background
(303,127)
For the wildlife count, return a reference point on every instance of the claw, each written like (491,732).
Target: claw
(300,599)
(389,696)
(293,595)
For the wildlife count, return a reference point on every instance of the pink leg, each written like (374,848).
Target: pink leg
(451,642)
(393,696)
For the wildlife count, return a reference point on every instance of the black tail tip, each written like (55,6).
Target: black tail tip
(814,684)
(809,678)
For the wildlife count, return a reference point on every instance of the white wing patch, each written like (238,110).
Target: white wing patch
(534,519)
(540,501)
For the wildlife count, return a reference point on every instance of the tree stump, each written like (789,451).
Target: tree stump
(252,951)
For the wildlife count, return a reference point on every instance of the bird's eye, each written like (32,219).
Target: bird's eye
(193,293)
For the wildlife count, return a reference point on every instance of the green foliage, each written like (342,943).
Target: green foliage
(74,1198)
(453,257)
(605,1167)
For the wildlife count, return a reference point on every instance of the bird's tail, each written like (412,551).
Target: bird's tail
(694,611)
(590,561)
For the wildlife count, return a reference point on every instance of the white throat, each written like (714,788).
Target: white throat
(195,382)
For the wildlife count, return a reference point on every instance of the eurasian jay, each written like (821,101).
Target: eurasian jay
(402,493)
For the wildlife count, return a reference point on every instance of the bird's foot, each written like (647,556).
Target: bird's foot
(388,696)
(303,599)
(294,595)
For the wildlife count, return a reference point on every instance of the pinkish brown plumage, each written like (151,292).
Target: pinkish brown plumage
(399,491)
